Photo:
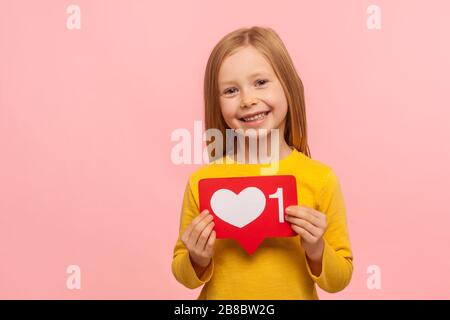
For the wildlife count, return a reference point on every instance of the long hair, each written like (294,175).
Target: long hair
(270,45)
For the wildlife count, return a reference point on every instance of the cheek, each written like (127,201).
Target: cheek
(228,109)
(277,100)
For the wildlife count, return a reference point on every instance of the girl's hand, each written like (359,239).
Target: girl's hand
(199,238)
(310,224)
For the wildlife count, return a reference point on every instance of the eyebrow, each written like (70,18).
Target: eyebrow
(254,74)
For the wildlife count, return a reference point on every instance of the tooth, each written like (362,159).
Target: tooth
(256,117)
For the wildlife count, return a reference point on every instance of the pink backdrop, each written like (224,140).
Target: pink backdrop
(86,117)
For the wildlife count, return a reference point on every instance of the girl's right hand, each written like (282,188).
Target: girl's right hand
(199,239)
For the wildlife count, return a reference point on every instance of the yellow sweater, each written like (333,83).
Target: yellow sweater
(278,269)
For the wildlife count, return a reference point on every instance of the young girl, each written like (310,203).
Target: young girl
(251,83)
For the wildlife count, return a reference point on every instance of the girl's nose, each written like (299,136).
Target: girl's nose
(247,102)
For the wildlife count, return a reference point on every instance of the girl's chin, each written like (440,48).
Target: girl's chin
(254,132)
(265,126)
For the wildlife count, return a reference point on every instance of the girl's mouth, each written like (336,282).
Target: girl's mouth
(256,119)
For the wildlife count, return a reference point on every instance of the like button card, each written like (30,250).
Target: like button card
(249,209)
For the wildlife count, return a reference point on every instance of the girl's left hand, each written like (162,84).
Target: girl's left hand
(310,224)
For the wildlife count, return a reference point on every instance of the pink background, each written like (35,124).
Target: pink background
(86,116)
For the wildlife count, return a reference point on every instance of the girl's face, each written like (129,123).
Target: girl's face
(251,95)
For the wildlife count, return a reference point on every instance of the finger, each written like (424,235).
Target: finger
(203,237)
(307,214)
(193,223)
(304,213)
(202,215)
(308,237)
(315,213)
(308,226)
(209,248)
(193,237)
(323,219)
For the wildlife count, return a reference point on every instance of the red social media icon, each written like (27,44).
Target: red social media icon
(249,209)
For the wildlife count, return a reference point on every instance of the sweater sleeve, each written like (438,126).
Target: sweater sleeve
(182,267)
(337,259)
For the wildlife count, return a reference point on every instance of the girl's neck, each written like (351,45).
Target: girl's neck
(269,154)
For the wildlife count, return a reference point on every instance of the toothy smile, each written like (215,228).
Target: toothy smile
(255,117)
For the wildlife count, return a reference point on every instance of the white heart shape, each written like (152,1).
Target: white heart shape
(238,209)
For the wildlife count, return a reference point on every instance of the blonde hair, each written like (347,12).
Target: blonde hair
(270,45)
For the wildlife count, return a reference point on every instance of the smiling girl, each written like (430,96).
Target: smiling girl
(251,83)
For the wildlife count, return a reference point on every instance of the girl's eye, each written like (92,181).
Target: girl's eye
(258,82)
(264,81)
(228,90)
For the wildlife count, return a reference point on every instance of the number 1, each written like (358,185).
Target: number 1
(279,194)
